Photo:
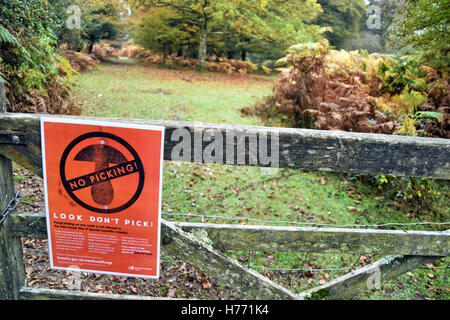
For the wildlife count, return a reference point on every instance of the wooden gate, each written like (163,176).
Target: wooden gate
(199,244)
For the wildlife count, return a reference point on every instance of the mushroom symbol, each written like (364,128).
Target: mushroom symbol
(102,155)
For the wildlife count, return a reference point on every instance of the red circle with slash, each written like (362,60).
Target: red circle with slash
(105,160)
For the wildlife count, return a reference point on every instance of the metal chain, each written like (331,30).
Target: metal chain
(12,205)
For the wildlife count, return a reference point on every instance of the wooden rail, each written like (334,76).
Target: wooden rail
(285,239)
(297,148)
(200,244)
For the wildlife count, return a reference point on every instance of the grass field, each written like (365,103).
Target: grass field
(133,91)
(129,90)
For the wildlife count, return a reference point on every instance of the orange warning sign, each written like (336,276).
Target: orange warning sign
(103,195)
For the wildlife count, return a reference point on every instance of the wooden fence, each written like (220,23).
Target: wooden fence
(199,244)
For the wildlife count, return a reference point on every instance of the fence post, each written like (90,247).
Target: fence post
(12,270)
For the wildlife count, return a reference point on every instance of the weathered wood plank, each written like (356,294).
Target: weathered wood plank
(12,271)
(28,155)
(353,284)
(27,293)
(195,249)
(293,148)
(323,240)
(28,224)
(288,239)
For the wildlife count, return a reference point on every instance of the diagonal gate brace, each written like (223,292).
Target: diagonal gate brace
(355,283)
(196,250)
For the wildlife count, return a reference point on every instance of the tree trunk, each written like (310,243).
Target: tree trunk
(244,55)
(90,47)
(202,48)
(164,54)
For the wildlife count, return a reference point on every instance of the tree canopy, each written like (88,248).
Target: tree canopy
(99,19)
(424,25)
(343,16)
(275,22)
(157,30)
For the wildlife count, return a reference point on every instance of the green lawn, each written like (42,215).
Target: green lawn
(135,91)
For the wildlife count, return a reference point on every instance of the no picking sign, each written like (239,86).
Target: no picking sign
(102,186)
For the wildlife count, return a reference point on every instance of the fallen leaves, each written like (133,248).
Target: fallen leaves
(321,180)
(206,285)
(353,209)
(177,279)
(172,293)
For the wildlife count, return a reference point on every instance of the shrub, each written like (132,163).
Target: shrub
(105,51)
(30,63)
(352,91)
(221,65)
(80,61)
